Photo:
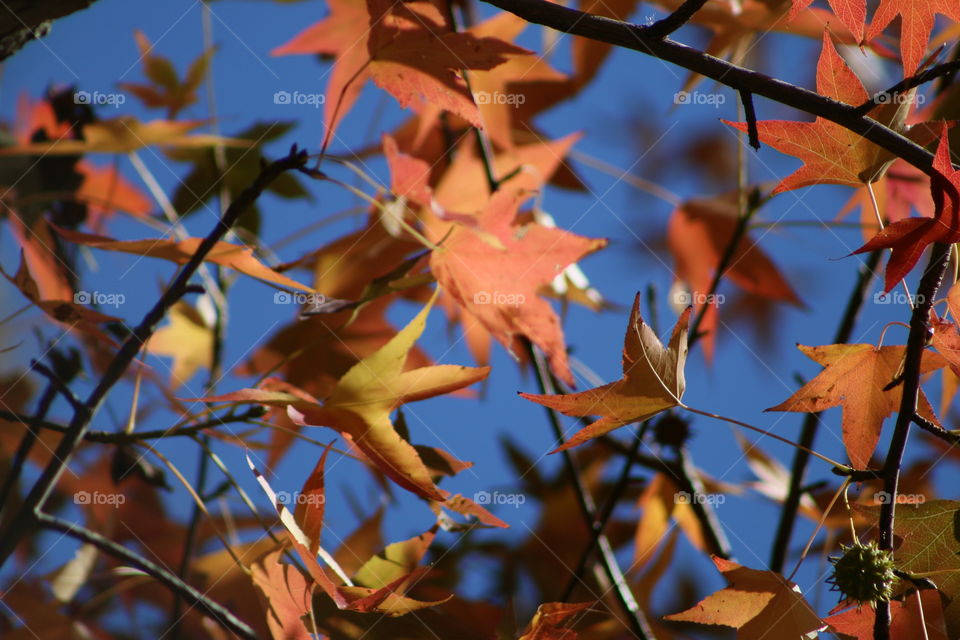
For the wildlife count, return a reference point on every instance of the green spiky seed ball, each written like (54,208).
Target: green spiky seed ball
(864,573)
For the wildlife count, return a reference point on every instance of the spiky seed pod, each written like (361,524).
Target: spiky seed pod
(864,573)
(671,430)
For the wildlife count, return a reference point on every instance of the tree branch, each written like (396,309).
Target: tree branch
(939,71)
(916,343)
(22,21)
(663,28)
(638,38)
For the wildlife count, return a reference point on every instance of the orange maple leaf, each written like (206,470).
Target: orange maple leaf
(759,604)
(652,382)
(831,153)
(919,615)
(856,377)
(909,237)
(360,404)
(916,22)
(408,49)
(226,254)
(495,269)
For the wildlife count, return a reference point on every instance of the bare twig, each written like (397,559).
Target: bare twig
(635,615)
(938,71)
(214,611)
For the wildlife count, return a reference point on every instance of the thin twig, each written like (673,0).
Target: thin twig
(113,437)
(600,523)
(26,444)
(929,427)
(753,134)
(611,567)
(938,71)
(192,596)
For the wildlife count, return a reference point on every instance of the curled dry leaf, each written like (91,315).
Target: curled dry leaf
(652,382)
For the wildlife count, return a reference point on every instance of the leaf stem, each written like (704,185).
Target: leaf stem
(766,433)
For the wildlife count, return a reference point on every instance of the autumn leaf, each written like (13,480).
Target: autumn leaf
(187,339)
(360,404)
(380,583)
(698,236)
(362,400)
(104,191)
(287,596)
(926,544)
(916,23)
(125,134)
(588,54)
(41,278)
(511,94)
(856,377)
(408,49)
(946,340)
(548,621)
(908,238)
(652,382)
(308,550)
(180,252)
(831,153)
(166,88)
(495,269)
(907,621)
(758,604)
(901,189)
(659,503)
